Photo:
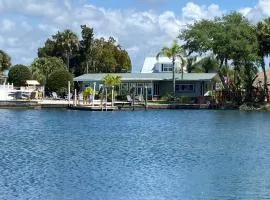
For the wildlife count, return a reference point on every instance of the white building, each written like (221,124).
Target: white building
(163,64)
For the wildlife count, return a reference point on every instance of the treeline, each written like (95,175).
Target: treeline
(235,49)
(88,54)
(64,56)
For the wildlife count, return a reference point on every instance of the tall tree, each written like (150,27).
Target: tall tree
(228,38)
(174,52)
(87,55)
(86,48)
(67,44)
(110,57)
(63,44)
(42,68)
(263,36)
(5,61)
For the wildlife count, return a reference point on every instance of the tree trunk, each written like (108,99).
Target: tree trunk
(68,62)
(221,76)
(265,79)
(182,70)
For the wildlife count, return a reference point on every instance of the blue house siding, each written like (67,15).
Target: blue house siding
(158,84)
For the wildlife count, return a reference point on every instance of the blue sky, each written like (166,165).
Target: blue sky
(142,27)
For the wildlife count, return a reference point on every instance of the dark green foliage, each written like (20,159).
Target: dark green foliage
(230,39)
(263,37)
(206,65)
(43,67)
(18,74)
(86,50)
(58,82)
(110,57)
(5,61)
(88,55)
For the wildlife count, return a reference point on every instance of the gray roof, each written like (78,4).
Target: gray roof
(148,76)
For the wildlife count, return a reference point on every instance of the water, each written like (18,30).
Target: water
(153,155)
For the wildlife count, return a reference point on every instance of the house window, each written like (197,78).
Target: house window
(166,67)
(156,89)
(184,87)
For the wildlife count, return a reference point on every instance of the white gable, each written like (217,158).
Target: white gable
(152,65)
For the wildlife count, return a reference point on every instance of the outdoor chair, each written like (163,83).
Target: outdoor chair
(55,97)
(129,99)
(139,98)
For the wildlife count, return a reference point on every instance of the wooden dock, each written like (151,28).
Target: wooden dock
(92,108)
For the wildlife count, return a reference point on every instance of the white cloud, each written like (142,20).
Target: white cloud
(259,12)
(141,33)
(194,12)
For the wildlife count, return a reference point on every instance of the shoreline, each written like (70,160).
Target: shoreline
(122,106)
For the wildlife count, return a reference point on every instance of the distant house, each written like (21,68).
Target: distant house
(163,64)
(158,84)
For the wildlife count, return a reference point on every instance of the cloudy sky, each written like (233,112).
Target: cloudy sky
(140,26)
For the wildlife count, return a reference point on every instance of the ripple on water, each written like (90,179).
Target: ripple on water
(59,154)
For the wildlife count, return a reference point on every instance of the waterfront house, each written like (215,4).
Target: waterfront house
(157,84)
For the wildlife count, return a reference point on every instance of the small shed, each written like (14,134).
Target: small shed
(32,82)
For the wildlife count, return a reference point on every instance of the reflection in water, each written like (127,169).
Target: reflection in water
(59,154)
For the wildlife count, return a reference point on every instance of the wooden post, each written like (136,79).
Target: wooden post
(146,97)
(75,99)
(133,99)
(94,94)
(68,92)
(106,99)
(112,96)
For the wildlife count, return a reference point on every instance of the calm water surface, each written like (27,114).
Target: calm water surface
(153,155)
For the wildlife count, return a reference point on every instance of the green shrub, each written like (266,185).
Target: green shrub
(167,97)
(58,82)
(184,99)
(18,74)
(122,96)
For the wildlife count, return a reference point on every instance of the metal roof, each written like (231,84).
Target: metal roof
(32,82)
(148,76)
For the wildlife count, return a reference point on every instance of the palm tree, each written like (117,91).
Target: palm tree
(174,52)
(68,43)
(263,37)
(111,81)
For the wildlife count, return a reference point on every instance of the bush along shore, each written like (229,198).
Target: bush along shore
(254,107)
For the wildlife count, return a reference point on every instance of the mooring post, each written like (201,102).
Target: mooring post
(93,103)
(133,99)
(68,93)
(75,99)
(112,96)
(146,98)
(106,98)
